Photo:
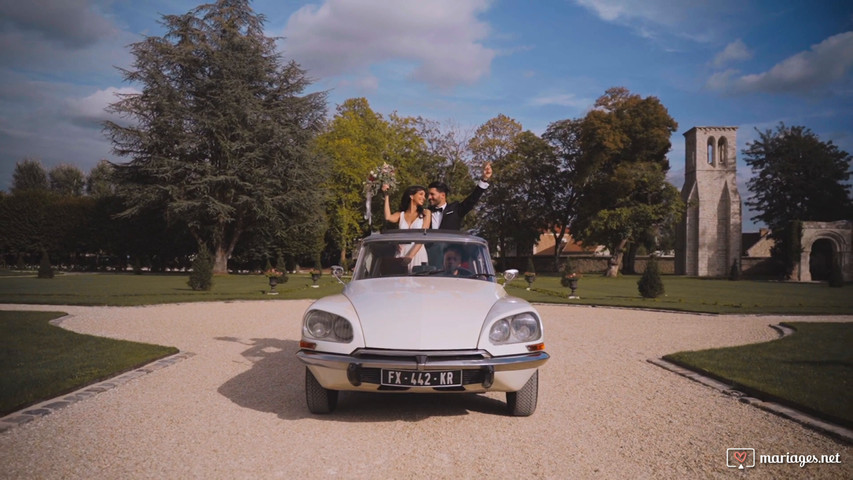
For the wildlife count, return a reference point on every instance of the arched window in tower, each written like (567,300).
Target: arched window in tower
(711,151)
(723,149)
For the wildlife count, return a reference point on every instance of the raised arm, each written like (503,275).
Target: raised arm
(391,217)
(468,204)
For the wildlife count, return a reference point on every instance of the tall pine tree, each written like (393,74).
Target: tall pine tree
(219,135)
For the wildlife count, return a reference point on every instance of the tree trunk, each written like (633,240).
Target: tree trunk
(220,261)
(223,246)
(628,259)
(558,243)
(615,260)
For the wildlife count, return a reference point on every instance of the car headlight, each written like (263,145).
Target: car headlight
(327,326)
(524,327)
(499,333)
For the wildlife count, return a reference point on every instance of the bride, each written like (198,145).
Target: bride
(411,214)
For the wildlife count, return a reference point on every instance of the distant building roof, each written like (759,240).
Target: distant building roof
(757,244)
(545,247)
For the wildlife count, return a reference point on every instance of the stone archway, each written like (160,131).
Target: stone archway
(821,240)
(821,258)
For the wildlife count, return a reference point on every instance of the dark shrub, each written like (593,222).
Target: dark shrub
(650,284)
(45,269)
(836,276)
(201,277)
(734,272)
(137,265)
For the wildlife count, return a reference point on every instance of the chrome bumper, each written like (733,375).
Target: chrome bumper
(424,362)
(361,370)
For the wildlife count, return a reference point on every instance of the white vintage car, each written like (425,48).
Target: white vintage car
(443,325)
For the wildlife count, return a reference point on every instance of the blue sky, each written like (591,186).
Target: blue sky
(749,64)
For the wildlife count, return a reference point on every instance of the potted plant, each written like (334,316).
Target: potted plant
(570,278)
(530,273)
(316,273)
(274,277)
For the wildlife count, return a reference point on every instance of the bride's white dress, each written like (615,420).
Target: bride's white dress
(421,255)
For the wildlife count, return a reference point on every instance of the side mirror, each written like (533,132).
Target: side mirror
(510,275)
(338,272)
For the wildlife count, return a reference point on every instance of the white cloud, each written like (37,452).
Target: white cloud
(441,38)
(825,63)
(734,52)
(657,11)
(93,107)
(693,19)
(563,100)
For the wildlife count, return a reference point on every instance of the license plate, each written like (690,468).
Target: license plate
(407,378)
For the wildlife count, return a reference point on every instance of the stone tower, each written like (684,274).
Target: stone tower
(708,240)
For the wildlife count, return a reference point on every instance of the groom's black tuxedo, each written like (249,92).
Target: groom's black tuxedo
(454,212)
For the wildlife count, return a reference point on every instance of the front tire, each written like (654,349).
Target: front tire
(523,402)
(320,400)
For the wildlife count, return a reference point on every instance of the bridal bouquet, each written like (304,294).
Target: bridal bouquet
(382,175)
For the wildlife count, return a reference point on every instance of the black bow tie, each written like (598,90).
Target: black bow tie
(438,209)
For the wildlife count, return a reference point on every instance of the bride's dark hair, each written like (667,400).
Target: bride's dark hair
(405,201)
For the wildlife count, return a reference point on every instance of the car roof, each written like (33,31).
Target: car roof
(420,235)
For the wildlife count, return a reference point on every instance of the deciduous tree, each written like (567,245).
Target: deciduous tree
(356,141)
(493,142)
(100,182)
(796,177)
(67,180)
(29,174)
(624,140)
(560,181)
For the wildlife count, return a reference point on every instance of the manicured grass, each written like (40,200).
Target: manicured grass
(127,289)
(682,293)
(39,361)
(811,370)
(697,295)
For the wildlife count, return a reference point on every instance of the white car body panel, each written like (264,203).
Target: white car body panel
(422,313)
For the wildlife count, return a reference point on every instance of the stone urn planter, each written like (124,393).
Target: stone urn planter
(315,277)
(529,278)
(571,281)
(273,284)
(274,277)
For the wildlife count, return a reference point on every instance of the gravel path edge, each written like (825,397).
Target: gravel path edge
(835,431)
(49,406)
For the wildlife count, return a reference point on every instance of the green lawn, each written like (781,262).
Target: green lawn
(697,295)
(682,293)
(811,370)
(39,361)
(127,289)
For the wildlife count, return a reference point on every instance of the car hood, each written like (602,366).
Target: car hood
(417,313)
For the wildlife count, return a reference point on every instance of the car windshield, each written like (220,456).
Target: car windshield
(440,259)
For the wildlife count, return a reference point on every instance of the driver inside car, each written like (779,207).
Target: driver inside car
(453,260)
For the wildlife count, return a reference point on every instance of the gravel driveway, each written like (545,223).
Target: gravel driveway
(236,408)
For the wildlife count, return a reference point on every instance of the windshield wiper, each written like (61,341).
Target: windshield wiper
(481,275)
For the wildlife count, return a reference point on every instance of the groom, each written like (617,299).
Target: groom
(448,216)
